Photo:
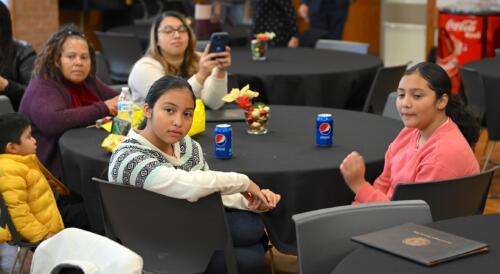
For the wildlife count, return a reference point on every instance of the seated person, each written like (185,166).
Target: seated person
(163,159)
(438,131)
(16,61)
(172,52)
(27,186)
(64,93)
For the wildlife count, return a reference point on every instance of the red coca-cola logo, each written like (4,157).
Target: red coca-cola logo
(461,26)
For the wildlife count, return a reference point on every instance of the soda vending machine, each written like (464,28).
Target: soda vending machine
(466,35)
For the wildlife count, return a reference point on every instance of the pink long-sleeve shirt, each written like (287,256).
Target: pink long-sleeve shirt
(445,155)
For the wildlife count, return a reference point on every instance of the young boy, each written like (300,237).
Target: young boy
(25,184)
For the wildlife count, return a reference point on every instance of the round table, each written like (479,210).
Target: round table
(482,228)
(305,76)
(286,160)
(489,68)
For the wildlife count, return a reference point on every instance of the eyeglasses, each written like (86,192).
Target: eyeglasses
(170,31)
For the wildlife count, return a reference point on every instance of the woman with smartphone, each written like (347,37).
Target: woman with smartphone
(171,51)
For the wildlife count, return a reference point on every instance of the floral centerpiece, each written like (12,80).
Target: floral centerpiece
(259,45)
(256,115)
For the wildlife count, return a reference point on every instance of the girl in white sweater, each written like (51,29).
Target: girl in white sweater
(163,159)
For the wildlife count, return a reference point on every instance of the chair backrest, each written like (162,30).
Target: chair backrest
(6,220)
(450,198)
(201,44)
(5,105)
(171,235)
(102,68)
(390,109)
(340,45)
(121,51)
(475,92)
(324,236)
(386,81)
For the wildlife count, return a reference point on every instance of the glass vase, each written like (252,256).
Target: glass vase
(259,50)
(256,118)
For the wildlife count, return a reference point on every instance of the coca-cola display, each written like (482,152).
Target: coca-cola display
(468,31)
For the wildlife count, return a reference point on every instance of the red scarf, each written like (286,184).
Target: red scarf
(80,95)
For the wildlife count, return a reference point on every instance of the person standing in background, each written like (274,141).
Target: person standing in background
(276,16)
(16,61)
(329,15)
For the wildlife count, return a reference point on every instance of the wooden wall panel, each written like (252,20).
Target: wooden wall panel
(34,21)
(363,24)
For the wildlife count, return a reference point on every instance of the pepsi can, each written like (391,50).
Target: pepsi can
(223,139)
(324,130)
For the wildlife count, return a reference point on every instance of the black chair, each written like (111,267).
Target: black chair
(171,235)
(450,198)
(386,81)
(101,66)
(5,219)
(5,105)
(475,92)
(475,95)
(121,51)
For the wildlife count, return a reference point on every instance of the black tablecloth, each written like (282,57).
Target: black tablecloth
(483,228)
(305,76)
(490,70)
(285,160)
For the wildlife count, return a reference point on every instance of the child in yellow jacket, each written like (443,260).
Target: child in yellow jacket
(25,184)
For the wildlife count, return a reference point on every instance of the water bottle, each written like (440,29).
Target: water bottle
(125,108)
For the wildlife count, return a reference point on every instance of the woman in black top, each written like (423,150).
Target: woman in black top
(16,61)
(276,16)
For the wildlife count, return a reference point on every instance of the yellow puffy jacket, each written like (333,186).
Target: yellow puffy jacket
(26,187)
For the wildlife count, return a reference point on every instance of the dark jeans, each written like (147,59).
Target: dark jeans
(73,211)
(331,17)
(247,231)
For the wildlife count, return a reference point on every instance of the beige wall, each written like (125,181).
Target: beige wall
(34,21)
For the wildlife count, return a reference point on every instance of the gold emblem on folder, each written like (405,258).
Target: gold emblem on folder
(416,241)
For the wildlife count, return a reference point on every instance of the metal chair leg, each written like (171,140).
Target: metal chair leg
(491,147)
(18,251)
(271,257)
(26,251)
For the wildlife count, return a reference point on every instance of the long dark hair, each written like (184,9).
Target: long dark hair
(46,63)
(7,46)
(162,86)
(189,65)
(438,81)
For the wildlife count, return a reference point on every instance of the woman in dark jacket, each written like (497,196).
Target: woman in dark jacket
(64,93)
(16,61)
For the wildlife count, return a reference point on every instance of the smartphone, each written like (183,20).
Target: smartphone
(219,41)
